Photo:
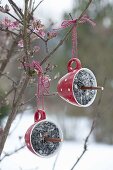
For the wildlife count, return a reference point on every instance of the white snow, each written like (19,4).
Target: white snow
(97,157)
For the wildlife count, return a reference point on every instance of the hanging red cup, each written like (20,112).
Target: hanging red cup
(43,138)
(78,86)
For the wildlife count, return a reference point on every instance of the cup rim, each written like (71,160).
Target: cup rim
(92,100)
(60,133)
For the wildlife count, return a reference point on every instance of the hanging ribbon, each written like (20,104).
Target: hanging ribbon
(68,23)
(43,83)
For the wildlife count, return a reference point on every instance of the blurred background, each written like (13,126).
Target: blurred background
(95,48)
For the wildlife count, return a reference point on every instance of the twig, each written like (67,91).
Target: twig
(8,57)
(14,85)
(85,145)
(14,97)
(70,16)
(54,165)
(8,31)
(62,41)
(87,6)
(33,4)
(25,35)
(37,35)
(15,7)
(29,100)
(30,5)
(9,78)
(14,17)
(37,6)
(92,128)
(13,152)
(2,60)
(8,93)
(51,94)
(12,114)
(27,27)
(46,45)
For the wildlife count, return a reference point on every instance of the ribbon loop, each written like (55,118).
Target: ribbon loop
(43,83)
(85,19)
(36,65)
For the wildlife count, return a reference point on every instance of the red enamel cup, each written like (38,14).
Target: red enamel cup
(39,116)
(43,138)
(69,85)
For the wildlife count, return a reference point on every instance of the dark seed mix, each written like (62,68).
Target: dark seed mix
(42,147)
(84,78)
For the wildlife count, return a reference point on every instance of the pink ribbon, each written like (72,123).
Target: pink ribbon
(85,18)
(68,23)
(43,83)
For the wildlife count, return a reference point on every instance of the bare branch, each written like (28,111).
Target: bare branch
(12,114)
(30,5)
(29,100)
(27,27)
(4,97)
(8,57)
(9,78)
(13,152)
(37,6)
(87,6)
(8,31)
(62,41)
(85,145)
(54,165)
(15,7)
(14,17)
(46,46)
(25,34)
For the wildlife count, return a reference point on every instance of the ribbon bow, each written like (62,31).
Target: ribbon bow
(83,19)
(68,23)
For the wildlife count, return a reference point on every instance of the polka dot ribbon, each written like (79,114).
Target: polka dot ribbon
(68,23)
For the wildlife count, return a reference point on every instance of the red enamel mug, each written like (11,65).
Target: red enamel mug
(43,138)
(71,87)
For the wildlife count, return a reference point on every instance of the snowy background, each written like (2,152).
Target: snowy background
(97,157)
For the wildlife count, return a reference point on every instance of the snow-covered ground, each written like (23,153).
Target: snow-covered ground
(98,156)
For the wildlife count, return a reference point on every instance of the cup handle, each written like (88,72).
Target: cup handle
(39,115)
(77,62)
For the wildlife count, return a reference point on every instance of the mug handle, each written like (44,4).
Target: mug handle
(39,115)
(71,61)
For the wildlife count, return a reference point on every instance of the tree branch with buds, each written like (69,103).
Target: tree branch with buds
(37,29)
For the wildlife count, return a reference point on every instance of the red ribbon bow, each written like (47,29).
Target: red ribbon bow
(68,23)
(84,19)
